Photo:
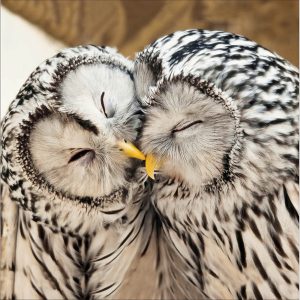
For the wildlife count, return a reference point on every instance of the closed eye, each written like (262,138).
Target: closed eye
(107,106)
(176,129)
(87,153)
(102,104)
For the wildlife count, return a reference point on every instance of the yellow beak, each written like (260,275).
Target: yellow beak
(152,164)
(130,150)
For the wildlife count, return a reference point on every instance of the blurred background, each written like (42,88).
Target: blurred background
(33,30)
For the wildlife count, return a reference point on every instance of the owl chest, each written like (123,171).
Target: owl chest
(237,245)
(52,265)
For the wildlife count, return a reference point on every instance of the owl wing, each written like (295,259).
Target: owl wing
(9,226)
(265,250)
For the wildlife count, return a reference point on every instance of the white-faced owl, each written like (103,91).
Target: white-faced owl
(221,129)
(77,219)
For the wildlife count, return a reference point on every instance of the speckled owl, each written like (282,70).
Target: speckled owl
(221,131)
(73,219)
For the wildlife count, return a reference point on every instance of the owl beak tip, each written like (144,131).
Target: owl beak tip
(152,164)
(130,150)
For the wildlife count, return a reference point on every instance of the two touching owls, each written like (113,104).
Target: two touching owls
(173,177)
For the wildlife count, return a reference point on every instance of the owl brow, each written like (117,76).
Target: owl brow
(85,124)
(102,104)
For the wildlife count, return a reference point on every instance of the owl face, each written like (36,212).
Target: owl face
(76,149)
(70,130)
(189,131)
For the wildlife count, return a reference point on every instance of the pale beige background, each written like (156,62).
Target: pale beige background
(23,47)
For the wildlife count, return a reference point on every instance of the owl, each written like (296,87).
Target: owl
(221,139)
(73,219)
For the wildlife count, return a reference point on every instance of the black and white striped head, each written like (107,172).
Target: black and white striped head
(218,107)
(63,133)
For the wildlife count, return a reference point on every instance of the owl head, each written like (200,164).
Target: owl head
(218,109)
(68,134)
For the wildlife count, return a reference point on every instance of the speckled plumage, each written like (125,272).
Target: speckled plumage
(222,114)
(56,244)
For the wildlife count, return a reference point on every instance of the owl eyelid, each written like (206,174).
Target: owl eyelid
(102,104)
(81,153)
(186,126)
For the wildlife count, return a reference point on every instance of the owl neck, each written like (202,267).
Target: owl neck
(181,206)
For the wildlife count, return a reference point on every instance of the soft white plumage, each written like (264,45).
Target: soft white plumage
(222,119)
(73,217)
